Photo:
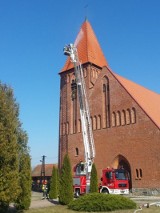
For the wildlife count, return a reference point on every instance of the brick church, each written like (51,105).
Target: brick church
(125,118)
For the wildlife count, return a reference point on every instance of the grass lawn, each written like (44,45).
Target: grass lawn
(63,209)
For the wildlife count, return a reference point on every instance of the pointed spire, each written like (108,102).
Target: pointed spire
(88,48)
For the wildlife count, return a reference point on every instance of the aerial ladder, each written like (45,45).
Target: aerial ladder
(88,141)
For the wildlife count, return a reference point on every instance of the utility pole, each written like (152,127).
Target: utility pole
(43,169)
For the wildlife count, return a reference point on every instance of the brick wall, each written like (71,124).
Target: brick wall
(135,140)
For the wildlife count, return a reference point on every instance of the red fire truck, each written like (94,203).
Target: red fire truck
(113,181)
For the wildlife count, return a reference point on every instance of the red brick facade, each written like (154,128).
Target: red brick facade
(124,134)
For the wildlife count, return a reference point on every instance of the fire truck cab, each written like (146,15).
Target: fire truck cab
(114,181)
(79,180)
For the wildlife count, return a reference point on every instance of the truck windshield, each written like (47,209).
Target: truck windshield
(80,169)
(121,175)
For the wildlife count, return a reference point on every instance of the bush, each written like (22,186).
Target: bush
(96,202)
(53,192)
(66,182)
(94,180)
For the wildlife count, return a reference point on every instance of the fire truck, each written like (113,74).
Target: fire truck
(114,181)
(81,179)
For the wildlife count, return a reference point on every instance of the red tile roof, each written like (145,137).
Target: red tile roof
(36,172)
(88,48)
(148,100)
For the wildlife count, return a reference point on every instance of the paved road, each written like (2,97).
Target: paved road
(38,202)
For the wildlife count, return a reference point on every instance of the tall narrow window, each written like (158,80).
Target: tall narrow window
(77,152)
(85,72)
(128,116)
(79,125)
(94,123)
(64,128)
(91,121)
(123,118)
(98,122)
(104,106)
(67,128)
(118,118)
(137,173)
(74,105)
(140,173)
(113,119)
(133,115)
(106,103)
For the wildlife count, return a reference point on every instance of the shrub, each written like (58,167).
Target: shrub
(24,199)
(66,182)
(94,180)
(53,193)
(96,202)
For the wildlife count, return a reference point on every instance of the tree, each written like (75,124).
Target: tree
(66,182)
(94,180)
(24,199)
(9,122)
(53,193)
(14,152)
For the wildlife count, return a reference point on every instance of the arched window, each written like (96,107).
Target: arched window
(77,152)
(96,74)
(140,173)
(113,119)
(99,122)
(133,115)
(123,118)
(94,123)
(137,173)
(74,106)
(64,128)
(106,103)
(128,116)
(85,72)
(79,125)
(68,78)
(91,72)
(118,118)
(91,121)
(67,128)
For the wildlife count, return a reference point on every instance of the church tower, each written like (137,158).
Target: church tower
(92,60)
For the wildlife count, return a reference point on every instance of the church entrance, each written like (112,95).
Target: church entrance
(121,162)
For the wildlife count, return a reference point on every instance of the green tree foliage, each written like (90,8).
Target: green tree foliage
(9,122)
(24,199)
(66,182)
(53,192)
(13,145)
(94,180)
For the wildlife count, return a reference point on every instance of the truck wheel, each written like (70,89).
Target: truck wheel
(77,193)
(105,191)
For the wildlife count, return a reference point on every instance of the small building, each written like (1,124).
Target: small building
(41,174)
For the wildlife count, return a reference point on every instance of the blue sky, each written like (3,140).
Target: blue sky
(32,36)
